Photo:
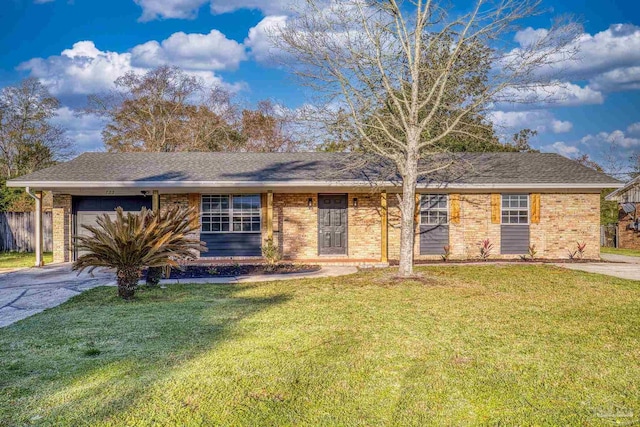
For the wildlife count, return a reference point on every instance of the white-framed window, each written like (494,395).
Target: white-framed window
(229,213)
(515,209)
(434,209)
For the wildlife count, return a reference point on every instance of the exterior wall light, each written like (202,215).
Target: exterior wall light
(355,202)
(309,202)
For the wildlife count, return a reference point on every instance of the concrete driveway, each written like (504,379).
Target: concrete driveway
(624,267)
(31,290)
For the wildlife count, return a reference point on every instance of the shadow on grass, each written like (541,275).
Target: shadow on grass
(48,375)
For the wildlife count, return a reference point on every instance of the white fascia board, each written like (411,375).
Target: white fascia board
(288,184)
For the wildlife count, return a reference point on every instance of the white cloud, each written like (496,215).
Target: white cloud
(634,129)
(556,94)
(85,69)
(262,49)
(529,36)
(609,60)
(188,9)
(558,126)
(211,51)
(540,120)
(618,79)
(617,138)
(562,149)
(85,130)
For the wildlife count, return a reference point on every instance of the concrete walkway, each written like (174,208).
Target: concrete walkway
(28,291)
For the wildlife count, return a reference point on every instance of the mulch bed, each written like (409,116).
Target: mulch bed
(228,270)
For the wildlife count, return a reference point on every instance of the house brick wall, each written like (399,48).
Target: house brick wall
(61,227)
(295,225)
(566,219)
(628,239)
(364,234)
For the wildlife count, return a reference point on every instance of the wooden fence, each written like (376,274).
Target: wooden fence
(17,231)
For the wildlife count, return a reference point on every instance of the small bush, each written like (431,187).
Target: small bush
(447,253)
(154,274)
(581,246)
(578,253)
(485,248)
(271,253)
(531,254)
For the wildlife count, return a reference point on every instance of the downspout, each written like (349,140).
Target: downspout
(38,231)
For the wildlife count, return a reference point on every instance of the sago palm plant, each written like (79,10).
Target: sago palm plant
(136,240)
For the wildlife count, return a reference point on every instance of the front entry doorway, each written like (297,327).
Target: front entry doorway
(332,224)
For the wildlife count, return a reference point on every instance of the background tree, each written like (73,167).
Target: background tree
(608,210)
(266,130)
(28,139)
(412,74)
(167,110)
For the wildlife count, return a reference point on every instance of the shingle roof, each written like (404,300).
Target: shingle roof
(473,168)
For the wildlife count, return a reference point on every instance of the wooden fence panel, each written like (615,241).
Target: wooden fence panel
(17,231)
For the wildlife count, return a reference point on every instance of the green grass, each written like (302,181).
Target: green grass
(22,259)
(620,251)
(468,345)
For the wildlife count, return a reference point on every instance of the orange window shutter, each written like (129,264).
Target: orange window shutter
(194,203)
(535,208)
(454,207)
(495,208)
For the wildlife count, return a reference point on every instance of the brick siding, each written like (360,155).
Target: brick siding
(565,219)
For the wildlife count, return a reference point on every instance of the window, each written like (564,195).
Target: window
(231,213)
(433,209)
(515,208)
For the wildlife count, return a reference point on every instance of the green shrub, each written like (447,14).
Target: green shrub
(136,240)
(271,253)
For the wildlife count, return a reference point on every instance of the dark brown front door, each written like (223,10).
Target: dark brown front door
(332,224)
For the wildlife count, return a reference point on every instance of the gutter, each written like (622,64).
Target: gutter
(284,184)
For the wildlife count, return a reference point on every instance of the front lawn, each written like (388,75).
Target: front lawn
(620,251)
(22,259)
(507,345)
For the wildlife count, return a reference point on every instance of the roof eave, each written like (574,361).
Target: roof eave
(299,183)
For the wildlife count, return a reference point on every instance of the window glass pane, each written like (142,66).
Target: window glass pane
(215,212)
(433,209)
(515,209)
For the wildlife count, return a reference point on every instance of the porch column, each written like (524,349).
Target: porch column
(384,228)
(270,214)
(155,201)
(38,231)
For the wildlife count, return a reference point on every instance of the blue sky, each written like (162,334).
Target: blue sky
(80,46)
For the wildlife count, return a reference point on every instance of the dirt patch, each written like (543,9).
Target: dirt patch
(501,261)
(229,270)
(392,279)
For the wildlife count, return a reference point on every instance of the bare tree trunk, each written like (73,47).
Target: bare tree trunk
(408,209)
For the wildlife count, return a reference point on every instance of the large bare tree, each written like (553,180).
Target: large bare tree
(411,74)
(167,109)
(164,109)
(29,140)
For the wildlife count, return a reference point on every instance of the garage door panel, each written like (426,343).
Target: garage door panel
(87,209)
